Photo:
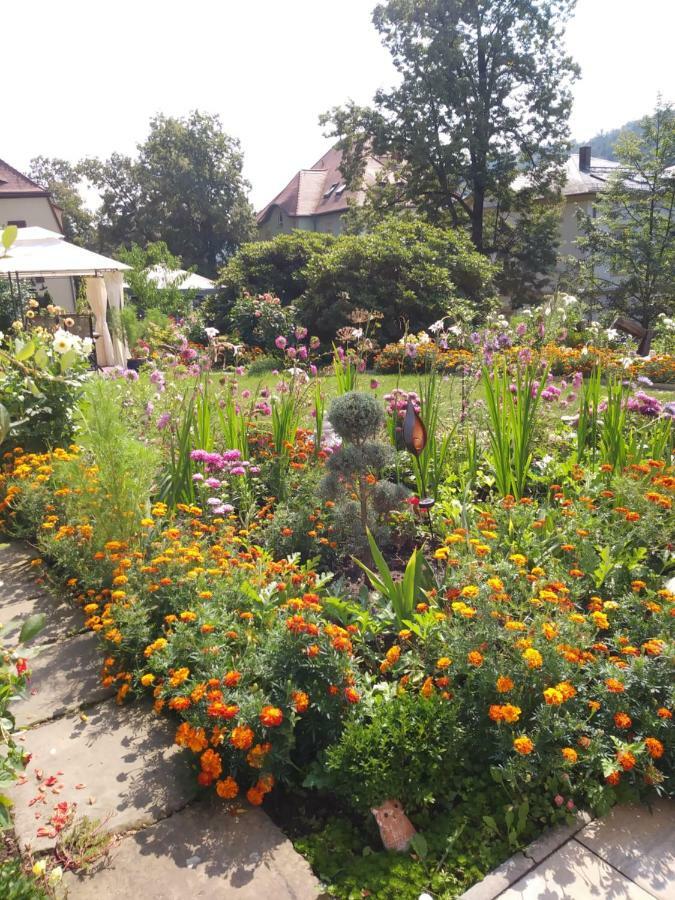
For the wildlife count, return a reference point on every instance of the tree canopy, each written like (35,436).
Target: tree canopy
(185,187)
(63,180)
(629,244)
(484,97)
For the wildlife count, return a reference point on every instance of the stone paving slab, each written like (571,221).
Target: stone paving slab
(499,879)
(121,762)
(574,873)
(64,677)
(16,556)
(640,843)
(61,618)
(202,852)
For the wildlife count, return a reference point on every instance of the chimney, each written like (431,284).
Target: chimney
(585,158)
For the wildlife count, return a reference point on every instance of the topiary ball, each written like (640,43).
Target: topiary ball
(356,416)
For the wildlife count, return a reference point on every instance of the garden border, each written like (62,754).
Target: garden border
(505,875)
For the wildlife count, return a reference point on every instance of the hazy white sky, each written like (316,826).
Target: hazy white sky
(83,77)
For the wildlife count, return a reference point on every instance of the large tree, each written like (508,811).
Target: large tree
(185,187)
(629,243)
(483,98)
(63,180)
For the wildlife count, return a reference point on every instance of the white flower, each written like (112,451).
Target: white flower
(436,327)
(63,340)
(612,334)
(456,330)
(626,362)
(211,332)
(55,876)
(584,351)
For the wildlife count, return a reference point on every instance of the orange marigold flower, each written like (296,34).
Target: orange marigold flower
(626,760)
(523,745)
(255,796)
(504,684)
(570,755)
(227,789)
(211,763)
(638,585)
(614,686)
(352,695)
(664,713)
(613,778)
(654,747)
(622,720)
(475,658)
(231,679)
(242,737)
(653,647)
(443,662)
(271,716)
(300,701)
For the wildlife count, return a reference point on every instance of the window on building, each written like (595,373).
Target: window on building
(330,190)
(20,223)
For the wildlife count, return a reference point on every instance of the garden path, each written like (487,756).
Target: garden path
(90,757)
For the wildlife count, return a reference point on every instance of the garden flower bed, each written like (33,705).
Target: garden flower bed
(503,660)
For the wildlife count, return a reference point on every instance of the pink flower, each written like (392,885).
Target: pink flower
(558,800)
(280,342)
(374,383)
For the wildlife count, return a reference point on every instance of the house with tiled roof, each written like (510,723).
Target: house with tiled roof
(315,199)
(24,203)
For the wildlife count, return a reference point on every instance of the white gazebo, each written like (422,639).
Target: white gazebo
(184,280)
(39,253)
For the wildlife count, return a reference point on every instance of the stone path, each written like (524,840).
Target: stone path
(628,855)
(120,765)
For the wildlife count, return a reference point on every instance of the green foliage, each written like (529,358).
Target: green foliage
(14,675)
(260,320)
(632,231)
(145,292)
(602,144)
(63,180)
(403,595)
(406,269)
(184,187)
(512,417)
(356,417)
(274,267)
(42,375)
(15,884)
(451,132)
(408,750)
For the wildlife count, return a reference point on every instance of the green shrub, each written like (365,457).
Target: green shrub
(408,270)
(16,885)
(410,750)
(260,320)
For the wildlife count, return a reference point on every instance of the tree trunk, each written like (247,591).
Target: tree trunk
(477,217)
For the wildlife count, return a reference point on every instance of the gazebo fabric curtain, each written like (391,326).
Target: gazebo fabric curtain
(97,299)
(114,285)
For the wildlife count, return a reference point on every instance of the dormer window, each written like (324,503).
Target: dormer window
(340,189)
(330,190)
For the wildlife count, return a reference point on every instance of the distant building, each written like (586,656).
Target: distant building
(315,199)
(24,203)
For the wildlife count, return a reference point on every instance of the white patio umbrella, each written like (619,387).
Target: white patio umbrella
(37,252)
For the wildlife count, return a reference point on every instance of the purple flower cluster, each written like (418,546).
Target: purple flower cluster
(228,463)
(397,402)
(645,405)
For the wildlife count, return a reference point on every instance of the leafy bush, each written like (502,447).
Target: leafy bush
(268,267)
(260,320)
(410,749)
(41,378)
(408,270)
(15,884)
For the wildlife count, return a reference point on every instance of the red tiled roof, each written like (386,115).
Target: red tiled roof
(18,185)
(305,194)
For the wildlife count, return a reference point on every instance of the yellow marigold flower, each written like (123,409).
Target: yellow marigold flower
(600,619)
(147,679)
(443,662)
(553,697)
(495,584)
(454,539)
(533,658)
(470,591)
(518,559)
(441,553)
(118,595)
(523,745)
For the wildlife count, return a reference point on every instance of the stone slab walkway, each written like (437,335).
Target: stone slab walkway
(627,855)
(120,765)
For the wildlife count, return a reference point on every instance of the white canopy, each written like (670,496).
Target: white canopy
(37,252)
(188,281)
